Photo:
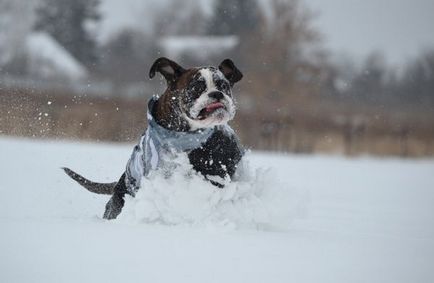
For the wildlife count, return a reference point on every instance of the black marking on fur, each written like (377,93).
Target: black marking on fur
(219,156)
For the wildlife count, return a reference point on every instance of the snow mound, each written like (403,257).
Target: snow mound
(256,199)
(48,59)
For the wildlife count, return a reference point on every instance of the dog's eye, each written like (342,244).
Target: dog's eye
(223,86)
(198,86)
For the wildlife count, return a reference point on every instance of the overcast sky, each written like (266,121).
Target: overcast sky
(398,28)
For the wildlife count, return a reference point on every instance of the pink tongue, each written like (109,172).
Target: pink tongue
(214,106)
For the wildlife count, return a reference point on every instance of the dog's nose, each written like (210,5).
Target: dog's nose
(216,95)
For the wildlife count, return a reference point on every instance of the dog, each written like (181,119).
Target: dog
(190,117)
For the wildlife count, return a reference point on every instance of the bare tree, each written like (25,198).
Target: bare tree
(234,17)
(127,56)
(417,84)
(67,21)
(181,18)
(280,52)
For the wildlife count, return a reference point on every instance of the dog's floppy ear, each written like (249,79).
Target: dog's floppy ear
(232,74)
(170,70)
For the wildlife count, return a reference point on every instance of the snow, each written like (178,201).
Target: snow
(288,219)
(186,199)
(48,59)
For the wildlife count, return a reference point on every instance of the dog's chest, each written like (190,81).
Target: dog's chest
(219,156)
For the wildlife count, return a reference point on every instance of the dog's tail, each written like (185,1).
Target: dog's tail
(97,188)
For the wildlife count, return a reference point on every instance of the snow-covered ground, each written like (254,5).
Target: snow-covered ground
(292,219)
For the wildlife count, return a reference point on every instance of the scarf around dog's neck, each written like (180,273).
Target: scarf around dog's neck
(156,144)
(180,141)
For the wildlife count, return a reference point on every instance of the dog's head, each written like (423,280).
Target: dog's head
(201,96)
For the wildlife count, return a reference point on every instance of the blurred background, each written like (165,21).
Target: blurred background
(348,77)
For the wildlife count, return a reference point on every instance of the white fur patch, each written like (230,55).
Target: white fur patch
(207,75)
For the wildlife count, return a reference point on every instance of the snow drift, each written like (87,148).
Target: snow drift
(306,219)
(186,198)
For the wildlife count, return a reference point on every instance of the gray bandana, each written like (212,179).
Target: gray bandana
(158,146)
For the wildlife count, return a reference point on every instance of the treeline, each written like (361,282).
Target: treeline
(294,95)
(374,83)
(277,48)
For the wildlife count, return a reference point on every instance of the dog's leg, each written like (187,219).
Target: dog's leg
(114,206)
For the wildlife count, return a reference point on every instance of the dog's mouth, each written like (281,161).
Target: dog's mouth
(210,109)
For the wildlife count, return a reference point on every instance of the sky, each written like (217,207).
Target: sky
(399,29)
